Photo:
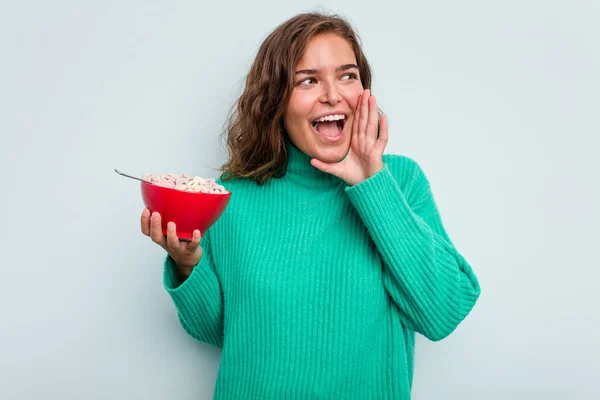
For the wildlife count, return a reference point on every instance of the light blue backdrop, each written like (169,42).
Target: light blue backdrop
(497,101)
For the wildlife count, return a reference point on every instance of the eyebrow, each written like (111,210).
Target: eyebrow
(343,67)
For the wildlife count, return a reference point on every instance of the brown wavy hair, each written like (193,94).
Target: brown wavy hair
(254,129)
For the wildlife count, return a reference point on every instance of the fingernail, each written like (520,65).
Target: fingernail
(170,225)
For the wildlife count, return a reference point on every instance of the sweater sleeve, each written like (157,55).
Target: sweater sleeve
(426,277)
(199,299)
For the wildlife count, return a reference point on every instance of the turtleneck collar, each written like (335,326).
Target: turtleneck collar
(300,170)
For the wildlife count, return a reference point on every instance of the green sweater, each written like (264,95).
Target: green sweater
(314,289)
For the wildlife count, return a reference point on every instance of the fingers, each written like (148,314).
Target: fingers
(356,118)
(173,242)
(364,112)
(373,122)
(151,226)
(383,133)
(156,231)
(193,245)
(145,222)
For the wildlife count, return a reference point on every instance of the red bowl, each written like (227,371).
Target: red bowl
(188,210)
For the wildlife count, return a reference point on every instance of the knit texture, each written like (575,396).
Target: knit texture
(314,289)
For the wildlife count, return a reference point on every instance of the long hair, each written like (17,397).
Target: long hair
(254,130)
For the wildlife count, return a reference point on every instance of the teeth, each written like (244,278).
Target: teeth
(336,117)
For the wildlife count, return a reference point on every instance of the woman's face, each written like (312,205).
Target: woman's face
(331,88)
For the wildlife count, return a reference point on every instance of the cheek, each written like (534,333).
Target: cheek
(353,99)
(299,107)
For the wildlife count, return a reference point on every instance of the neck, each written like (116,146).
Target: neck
(300,170)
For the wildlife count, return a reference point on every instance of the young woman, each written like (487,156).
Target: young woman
(330,254)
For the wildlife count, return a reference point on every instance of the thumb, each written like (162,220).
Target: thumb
(319,164)
(334,169)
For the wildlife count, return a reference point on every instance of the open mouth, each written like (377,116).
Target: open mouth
(330,128)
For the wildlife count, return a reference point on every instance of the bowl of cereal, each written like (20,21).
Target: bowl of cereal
(191,202)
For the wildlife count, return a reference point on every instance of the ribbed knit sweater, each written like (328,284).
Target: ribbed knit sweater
(314,289)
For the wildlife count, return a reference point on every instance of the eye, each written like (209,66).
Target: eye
(352,75)
(308,79)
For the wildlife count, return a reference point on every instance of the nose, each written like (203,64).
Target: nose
(330,94)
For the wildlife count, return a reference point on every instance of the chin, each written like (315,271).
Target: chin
(330,153)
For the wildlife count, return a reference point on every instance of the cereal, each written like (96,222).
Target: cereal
(186,183)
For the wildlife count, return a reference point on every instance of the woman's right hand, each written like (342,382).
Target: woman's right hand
(185,254)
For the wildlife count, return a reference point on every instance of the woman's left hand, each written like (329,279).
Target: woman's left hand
(365,157)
